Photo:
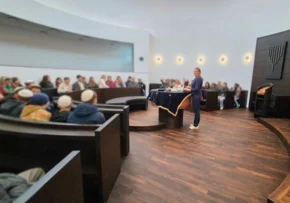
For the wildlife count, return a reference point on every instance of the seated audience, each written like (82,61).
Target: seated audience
(64,104)
(186,84)
(238,91)
(58,81)
(206,85)
(8,85)
(166,83)
(65,86)
(36,109)
(14,185)
(92,83)
(3,91)
(85,82)
(119,82)
(213,86)
(110,82)
(133,83)
(13,105)
(36,89)
(177,84)
(16,83)
(141,84)
(219,85)
(46,82)
(29,83)
(127,83)
(87,112)
(78,85)
(102,82)
(222,95)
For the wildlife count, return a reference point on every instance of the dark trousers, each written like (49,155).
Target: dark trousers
(196,106)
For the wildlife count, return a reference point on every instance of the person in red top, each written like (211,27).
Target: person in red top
(3,91)
(110,82)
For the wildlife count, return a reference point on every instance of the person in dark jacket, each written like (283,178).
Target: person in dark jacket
(87,112)
(64,104)
(13,105)
(46,82)
(79,84)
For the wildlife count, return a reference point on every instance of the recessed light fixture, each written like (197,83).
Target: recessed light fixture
(158,59)
(223,59)
(179,60)
(200,60)
(247,58)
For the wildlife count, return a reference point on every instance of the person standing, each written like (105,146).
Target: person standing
(196,86)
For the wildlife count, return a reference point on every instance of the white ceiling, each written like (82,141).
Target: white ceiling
(159,16)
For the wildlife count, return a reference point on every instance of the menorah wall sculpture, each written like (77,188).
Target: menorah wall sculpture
(276,55)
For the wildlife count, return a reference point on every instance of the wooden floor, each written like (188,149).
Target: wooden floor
(232,158)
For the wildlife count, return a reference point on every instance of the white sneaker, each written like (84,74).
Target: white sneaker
(192,127)
(197,127)
(221,108)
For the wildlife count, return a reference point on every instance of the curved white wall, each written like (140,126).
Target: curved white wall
(187,28)
(38,13)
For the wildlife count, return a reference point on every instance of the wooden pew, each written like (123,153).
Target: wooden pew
(229,100)
(210,101)
(62,183)
(24,144)
(123,111)
(243,99)
(104,94)
(52,92)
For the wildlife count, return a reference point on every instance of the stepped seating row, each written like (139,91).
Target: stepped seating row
(26,144)
(62,183)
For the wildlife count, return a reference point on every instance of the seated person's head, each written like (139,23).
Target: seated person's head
(79,78)
(213,86)
(186,83)
(7,82)
(16,91)
(40,99)
(89,96)
(36,89)
(129,78)
(139,80)
(23,95)
(109,78)
(64,103)
(207,85)
(67,80)
(29,83)
(133,79)
(225,85)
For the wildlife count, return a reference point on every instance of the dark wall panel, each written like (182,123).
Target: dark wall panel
(262,63)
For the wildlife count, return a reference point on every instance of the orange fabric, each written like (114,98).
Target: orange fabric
(262,91)
(35,113)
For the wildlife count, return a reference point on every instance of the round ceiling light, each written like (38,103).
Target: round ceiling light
(247,58)
(223,59)
(158,59)
(179,60)
(200,60)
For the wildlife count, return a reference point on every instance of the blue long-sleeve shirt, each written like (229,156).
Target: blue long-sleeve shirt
(196,86)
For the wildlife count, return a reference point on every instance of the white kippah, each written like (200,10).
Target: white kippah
(29,81)
(25,93)
(64,101)
(87,95)
(17,89)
